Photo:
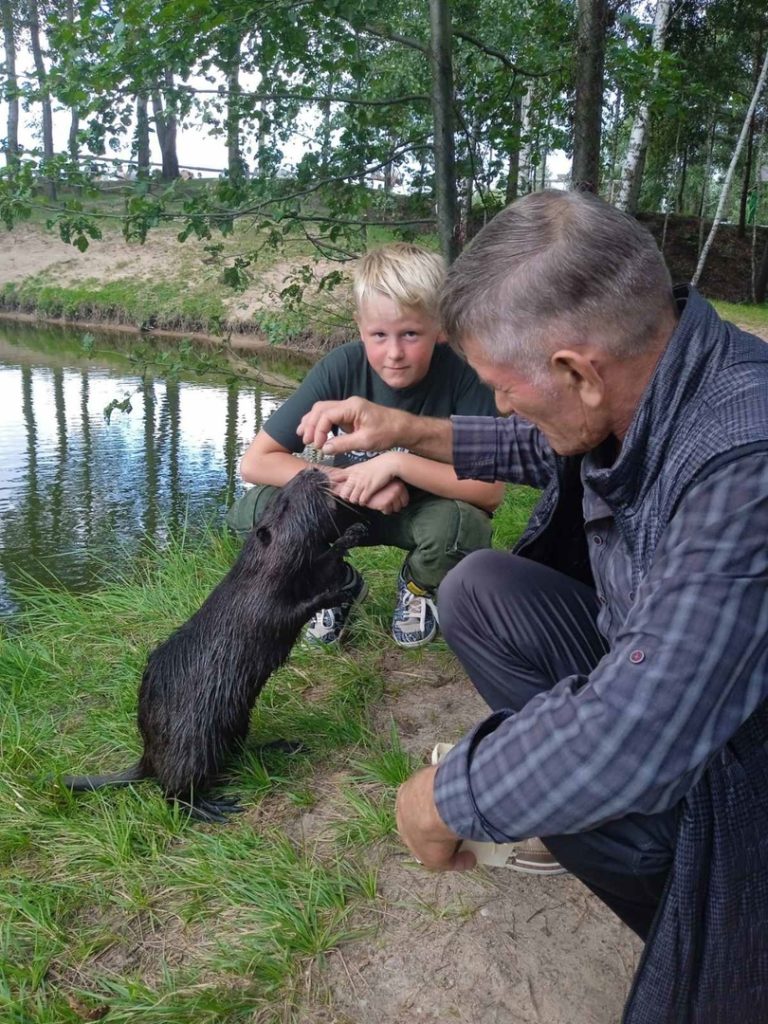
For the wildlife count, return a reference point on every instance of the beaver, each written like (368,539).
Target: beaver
(199,685)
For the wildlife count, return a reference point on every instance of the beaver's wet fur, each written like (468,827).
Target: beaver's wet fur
(199,686)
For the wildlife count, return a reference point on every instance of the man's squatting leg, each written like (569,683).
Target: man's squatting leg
(518,627)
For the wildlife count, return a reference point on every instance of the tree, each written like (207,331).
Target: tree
(166,126)
(442,113)
(33,23)
(631,175)
(729,175)
(591,22)
(11,82)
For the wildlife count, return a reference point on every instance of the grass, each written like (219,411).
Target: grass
(169,303)
(750,316)
(114,903)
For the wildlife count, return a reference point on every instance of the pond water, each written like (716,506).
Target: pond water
(80,495)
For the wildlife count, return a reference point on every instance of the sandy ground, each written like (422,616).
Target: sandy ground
(491,946)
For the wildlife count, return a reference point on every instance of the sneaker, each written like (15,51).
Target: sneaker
(329,624)
(414,622)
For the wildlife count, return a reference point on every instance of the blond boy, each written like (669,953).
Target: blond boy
(405,500)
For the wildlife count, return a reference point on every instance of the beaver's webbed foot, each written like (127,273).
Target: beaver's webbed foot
(212,811)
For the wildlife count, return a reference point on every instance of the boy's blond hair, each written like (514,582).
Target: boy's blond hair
(406,273)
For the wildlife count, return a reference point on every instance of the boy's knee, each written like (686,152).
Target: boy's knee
(473,528)
(247,510)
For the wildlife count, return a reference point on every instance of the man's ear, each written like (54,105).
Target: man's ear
(575,370)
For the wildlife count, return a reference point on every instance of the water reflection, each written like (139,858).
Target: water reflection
(79,495)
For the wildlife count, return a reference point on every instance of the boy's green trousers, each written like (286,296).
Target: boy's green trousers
(436,532)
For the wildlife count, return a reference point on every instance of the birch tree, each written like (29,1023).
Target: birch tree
(730,172)
(631,175)
(11,83)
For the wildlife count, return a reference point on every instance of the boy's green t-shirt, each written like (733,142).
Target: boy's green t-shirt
(450,387)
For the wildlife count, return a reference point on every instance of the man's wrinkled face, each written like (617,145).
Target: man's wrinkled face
(555,404)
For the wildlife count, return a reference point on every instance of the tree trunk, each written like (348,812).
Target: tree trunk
(11,83)
(235,163)
(524,164)
(704,196)
(741,231)
(729,174)
(49,184)
(761,281)
(588,106)
(746,181)
(165,128)
(142,137)
(513,172)
(632,172)
(73,145)
(442,113)
(615,131)
(680,206)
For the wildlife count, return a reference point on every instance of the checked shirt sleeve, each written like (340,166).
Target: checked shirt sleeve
(688,667)
(501,448)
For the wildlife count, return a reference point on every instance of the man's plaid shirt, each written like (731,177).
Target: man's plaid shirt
(688,646)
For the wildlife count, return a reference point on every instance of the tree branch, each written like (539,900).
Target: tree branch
(499,55)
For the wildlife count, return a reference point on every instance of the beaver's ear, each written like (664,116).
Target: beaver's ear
(264,535)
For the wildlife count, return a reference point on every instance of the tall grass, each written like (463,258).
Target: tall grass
(113,901)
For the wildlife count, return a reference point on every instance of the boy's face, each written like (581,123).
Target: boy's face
(398,342)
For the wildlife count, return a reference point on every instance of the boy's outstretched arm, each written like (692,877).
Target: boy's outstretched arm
(265,461)
(370,427)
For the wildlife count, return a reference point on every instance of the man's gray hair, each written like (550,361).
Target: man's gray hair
(557,268)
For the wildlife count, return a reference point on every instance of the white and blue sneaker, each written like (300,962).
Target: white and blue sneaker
(329,624)
(415,621)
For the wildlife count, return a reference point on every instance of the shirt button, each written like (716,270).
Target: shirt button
(631,595)
(598,540)
(601,598)
(637,656)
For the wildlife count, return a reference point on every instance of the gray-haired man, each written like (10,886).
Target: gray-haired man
(623,647)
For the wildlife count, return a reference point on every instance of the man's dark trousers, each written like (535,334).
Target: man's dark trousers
(519,627)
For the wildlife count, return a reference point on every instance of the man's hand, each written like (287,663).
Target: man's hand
(423,830)
(390,499)
(368,427)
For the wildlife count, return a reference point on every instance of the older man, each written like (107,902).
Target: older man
(623,647)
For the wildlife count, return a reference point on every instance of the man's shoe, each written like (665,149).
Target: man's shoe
(527,855)
(533,858)
(329,624)
(414,622)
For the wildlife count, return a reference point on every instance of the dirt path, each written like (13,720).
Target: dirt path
(488,947)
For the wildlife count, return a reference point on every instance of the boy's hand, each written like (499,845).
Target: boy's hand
(392,498)
(423,830)
(365,479)
(367,427)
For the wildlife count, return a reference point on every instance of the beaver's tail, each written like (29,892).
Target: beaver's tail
(82,783)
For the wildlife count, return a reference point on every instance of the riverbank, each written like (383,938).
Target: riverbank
(167,287)
(170,291)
